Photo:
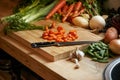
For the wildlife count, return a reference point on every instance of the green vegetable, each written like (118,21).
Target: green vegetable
(25,15)
(98,51)
(100,60)
(93,7)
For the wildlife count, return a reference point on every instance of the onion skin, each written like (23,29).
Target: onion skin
(115,46)
(110,34)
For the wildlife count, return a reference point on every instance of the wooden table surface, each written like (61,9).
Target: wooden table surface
(58,70)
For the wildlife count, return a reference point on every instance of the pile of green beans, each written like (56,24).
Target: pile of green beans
(98,51)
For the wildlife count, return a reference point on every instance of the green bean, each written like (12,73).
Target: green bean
(98,51)
(102,53)
(94,59)
(100,60)
(98,56)
(105,58)
(106,53)
(90,53)
(103,61)
(98,48)
(91,47)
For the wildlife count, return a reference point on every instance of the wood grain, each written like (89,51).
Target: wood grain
(58,70)
(53,53)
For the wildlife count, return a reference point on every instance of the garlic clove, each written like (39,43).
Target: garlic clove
(77,66)
(80,54)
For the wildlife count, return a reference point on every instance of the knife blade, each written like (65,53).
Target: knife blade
(47,44)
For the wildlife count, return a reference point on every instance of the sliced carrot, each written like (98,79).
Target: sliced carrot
(45,34)
(60,4)
(50,38)
(46,28)
(59,35)
(59,28)
(59,40)
(53,24)
(50,31)
(45,37)
(70,9)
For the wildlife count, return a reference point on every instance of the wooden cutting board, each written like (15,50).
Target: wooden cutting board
(52,53)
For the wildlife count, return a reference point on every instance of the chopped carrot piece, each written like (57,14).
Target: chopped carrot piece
(59,28)
(59,35)
(53,24)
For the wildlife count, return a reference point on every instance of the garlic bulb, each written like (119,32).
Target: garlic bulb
(80,54)
(76,56)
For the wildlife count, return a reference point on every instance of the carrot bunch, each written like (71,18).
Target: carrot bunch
(72,11)
(59,34)
(67,11)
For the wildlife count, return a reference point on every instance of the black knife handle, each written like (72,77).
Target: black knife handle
(42,44)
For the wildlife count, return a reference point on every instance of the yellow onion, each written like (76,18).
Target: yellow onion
(115,46)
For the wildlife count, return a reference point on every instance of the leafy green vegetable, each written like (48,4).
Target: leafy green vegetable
(22,19)
(93,7)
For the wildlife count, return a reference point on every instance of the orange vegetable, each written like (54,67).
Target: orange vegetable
(53,24)
(70,9)
(58,6)
(78,13)
(77,7)
(64,10)
(59,28)
(82,10)
(59,35)
(59,11)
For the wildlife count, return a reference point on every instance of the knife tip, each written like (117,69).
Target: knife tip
(33,45)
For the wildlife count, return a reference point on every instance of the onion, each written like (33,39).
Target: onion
(97,22)
(80,21)
(110,34)
(115,46)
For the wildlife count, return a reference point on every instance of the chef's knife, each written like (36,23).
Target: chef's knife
(47,44)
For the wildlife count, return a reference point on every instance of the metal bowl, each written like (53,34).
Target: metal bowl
(112,71)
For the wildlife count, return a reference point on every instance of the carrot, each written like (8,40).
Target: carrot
(59,28)
(78,13)
(59,35)
(60,4)
(70,9)
(82,10)
(59,11)
(64,10)
(53,24)
(77,7)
